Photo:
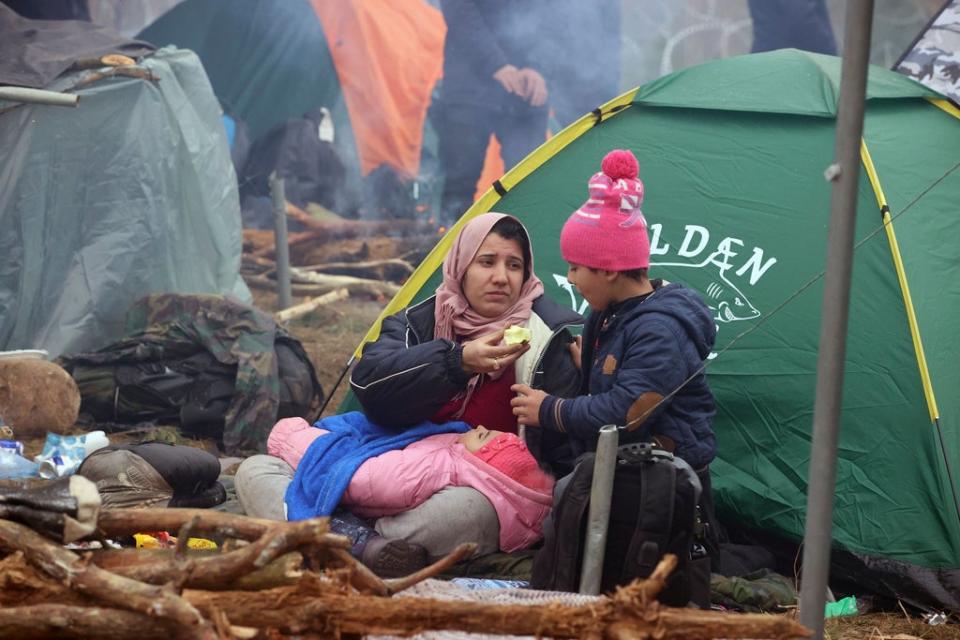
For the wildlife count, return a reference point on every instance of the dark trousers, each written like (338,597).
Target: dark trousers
(358,530)
(798,24)
(464,133)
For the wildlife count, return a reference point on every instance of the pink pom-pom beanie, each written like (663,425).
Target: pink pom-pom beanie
(609,231)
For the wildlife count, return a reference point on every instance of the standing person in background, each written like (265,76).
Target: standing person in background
(792,24)
(491,84)
(581,55)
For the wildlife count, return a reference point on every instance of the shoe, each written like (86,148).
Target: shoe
(393,558)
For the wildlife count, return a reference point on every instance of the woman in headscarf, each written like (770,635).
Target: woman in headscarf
(445,359)
(441,360)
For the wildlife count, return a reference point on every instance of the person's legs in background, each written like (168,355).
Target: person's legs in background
(520,130)
(463,134)
(798,24)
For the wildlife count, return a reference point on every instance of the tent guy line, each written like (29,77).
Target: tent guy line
(639,419)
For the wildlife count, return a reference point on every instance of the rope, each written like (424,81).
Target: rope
(639,419)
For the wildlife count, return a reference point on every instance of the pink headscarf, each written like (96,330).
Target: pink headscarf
(453,315)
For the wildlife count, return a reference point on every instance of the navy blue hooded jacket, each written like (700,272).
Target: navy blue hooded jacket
(635,354)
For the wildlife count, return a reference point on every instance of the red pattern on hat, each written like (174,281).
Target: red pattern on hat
(508,454)
(609,231)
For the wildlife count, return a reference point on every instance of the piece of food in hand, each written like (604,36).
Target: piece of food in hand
(516,334)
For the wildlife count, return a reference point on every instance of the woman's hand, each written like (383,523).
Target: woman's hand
(486,354)
(526,406)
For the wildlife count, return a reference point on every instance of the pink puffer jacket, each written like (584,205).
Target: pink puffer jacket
(399,480)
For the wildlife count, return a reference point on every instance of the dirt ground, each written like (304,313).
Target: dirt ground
(329,335)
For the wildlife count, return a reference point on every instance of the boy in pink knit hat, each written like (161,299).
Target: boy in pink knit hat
(644,342)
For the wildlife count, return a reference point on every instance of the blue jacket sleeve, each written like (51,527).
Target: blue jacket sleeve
(653,362)
(400,385)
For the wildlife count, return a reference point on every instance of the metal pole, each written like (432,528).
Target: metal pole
(833,323)
(39,96)
(284,295)
(598,521)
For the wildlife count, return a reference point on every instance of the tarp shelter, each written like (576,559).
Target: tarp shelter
(934,57)
(732,154)
(131,192)
(270,61)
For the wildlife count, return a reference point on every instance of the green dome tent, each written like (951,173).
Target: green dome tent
(733,154)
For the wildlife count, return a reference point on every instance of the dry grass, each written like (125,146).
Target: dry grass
(329,335)
(888,626)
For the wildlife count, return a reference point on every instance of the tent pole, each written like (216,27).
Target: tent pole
(284,297)
(833,324)
(39,96)
(598,520)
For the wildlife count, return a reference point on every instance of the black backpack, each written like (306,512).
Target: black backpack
(653,512)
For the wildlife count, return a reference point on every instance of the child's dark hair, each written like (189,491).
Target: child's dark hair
(634,274)
(510,229)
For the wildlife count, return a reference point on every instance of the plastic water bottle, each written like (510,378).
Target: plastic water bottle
(62,455)
(12,464)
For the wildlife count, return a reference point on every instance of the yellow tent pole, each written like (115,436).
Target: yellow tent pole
(514,176)
(902,277)
(945,105)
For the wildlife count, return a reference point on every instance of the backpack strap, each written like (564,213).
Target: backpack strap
(655,520)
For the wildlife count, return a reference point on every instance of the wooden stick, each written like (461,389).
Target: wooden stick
(361,577)
(320,232)
(71,621)
(320,607)
(308,307)
(102,585)
(125,522)
(219,571)
(356,286)
(312,277)
(391,269)
(333,613)
(286,569)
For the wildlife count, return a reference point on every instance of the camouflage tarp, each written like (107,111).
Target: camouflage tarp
(934,59)
(166,328)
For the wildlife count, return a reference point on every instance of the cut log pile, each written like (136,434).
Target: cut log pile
(277,579)
(365,257)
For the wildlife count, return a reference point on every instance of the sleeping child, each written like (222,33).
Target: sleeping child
(495,463)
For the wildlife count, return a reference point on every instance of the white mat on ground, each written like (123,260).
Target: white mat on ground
(441,590)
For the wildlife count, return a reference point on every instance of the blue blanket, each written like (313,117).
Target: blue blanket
(331,460)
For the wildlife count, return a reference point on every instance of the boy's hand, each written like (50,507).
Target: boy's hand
(526,406)
(575,348)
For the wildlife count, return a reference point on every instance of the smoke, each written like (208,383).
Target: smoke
(662,36)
